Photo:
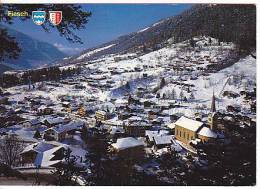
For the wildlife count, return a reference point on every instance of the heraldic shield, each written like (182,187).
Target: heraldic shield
(38,17)
(55,17)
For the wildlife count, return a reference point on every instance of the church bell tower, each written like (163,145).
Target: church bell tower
(212,117)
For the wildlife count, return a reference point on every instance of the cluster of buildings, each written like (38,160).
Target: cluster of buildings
(144,109)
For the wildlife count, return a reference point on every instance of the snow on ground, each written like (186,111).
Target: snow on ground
(142,30)
(204,86)
(94,51)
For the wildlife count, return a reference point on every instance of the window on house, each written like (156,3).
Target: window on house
(184,134)
(180,133)
(177,132)
(188,136)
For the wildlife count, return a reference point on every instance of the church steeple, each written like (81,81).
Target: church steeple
(212,117)
(213,103)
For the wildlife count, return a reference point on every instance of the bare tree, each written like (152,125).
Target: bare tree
(10,149)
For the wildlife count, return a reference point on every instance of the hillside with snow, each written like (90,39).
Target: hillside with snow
(191,77)
(234,21)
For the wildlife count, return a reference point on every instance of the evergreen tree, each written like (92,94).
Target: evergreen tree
(37,134)
(192,43)
(162,83)
(66,173)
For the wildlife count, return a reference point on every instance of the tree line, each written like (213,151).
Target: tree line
(31,76)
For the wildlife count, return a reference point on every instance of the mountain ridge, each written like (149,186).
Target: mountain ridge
(34,53)
(224,22)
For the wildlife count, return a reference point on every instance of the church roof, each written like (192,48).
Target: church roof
(207,132)
(187,123)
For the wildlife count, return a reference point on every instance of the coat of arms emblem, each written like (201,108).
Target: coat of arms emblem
(38,17)
(55,17)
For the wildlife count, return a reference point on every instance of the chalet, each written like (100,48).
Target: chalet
(233,108)
(44,110)
(137,128)
(132,100)
(124,115)
(230,94)
(162,141)
(82,111)
(128,147)
(117,132)
(172,127)
(65,104)
(151,134)
(153,114)
(51,121)
(60,132)
(43,154)
(135,108)
(32,123)
(101,115)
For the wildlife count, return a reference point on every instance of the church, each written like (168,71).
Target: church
(188,129)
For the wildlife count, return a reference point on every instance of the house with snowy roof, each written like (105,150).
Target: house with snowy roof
(35,123)
(128,147)
(60,132)
(161,141)
(52,121)
(101,115)
(44,110)
(43,154)
(137,128)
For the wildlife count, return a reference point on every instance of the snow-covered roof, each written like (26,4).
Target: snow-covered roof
(171,125)
(34,121)
(151,134)
(176,146)
(163,139)
(135,118)
(68,127)
(128,142)
(207,132)
(188,123)
(38,147)
(43,159)
(115,130)
(54,120)
(101,112)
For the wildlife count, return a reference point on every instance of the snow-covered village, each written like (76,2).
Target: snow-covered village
(183,113)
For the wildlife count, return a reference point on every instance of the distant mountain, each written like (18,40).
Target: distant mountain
(34,53)
(230,23)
